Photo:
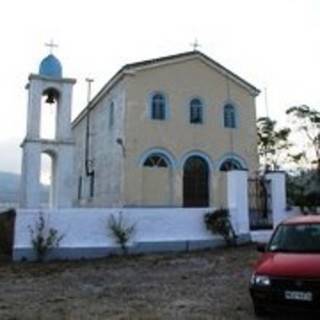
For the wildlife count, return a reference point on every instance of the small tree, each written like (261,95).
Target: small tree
(271,142)
(307,121)
(43,240)
(121,232)
(219,222)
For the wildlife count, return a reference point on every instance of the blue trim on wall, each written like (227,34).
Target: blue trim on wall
(149,105)
(231,155)
(158,150)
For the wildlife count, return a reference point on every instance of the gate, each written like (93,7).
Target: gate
(260,210)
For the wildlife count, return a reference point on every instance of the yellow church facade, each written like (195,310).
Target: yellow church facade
(162,132)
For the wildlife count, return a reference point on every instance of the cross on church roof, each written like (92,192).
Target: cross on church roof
(195,45)
(51,45)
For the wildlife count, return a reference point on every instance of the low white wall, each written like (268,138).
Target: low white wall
(87,228)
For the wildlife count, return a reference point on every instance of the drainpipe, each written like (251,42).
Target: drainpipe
(89,165)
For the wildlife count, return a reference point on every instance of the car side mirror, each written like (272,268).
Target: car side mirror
(261,247)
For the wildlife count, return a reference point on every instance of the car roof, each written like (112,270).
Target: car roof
(303,219)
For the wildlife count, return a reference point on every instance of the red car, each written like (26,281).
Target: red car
(287,275)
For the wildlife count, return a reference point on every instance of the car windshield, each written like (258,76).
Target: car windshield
(299,238)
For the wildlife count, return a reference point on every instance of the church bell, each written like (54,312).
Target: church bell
(51,96)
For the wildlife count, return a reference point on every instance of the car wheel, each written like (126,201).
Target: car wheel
(259,311)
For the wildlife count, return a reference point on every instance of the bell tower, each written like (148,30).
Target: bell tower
(48,84)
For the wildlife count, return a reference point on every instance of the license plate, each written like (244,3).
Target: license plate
(298,295)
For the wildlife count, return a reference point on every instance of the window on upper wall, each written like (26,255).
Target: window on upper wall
(156,160)
(196,111)
(158,107)
(111,114)
(229,116)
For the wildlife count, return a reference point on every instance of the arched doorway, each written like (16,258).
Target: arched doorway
(196,182)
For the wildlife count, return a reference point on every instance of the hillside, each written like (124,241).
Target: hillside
(9,188)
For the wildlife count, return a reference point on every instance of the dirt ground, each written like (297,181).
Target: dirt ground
(199,285)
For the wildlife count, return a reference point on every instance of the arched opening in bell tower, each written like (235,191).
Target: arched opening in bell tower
(49,113)
(47,179)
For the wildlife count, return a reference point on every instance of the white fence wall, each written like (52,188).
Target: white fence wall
(86,233)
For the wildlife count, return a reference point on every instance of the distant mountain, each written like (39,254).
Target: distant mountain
(9,188)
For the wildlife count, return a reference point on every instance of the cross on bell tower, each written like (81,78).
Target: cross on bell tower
(48,83)
(51,45)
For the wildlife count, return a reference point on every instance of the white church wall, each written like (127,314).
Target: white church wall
(104,150)
(86,233)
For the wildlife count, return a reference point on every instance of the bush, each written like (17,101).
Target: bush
(120,231)
(43,240)
(219,222)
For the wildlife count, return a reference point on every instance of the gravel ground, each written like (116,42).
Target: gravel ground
(200,285)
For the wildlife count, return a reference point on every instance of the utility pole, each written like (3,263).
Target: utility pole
(89,82)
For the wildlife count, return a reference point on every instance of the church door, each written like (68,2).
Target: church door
(196,183)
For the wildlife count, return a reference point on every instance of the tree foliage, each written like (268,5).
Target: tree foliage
(298,147)
(272,143)
(307,120)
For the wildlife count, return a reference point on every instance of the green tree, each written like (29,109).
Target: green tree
(307,121)
(304,184)
(273,144)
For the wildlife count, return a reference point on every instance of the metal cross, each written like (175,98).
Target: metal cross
(195,45)
(51,45)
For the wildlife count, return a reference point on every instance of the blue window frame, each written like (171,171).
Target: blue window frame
(229,116)
(156,160)
(196,111)
(230,164)
(158,107)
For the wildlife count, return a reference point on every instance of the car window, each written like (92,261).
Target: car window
(296,238)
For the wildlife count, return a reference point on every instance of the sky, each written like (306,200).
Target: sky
(273,44)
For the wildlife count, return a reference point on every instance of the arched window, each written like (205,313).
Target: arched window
(196,111)
(229,116)
(111,115)
(230,164)
(156,160)
(48,113)
(158,107)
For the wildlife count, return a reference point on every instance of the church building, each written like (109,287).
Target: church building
(161,133)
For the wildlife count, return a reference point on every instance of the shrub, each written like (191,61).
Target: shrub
(43,240)
(120,231)
(219,222)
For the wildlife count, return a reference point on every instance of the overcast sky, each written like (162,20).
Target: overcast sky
(270,43)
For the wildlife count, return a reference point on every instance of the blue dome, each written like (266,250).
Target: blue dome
(51,67)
